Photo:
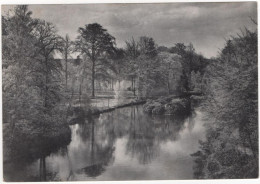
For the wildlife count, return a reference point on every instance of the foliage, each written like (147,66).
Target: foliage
(196,81)
(162,71)
(170,67)
(168,106)
(192,63)
(155,73)
(31,78)
(231,146)
(147,46)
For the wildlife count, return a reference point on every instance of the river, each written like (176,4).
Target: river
(125,144)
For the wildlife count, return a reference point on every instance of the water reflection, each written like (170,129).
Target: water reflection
(114,146)
(42,169)
(101,146)
(141,139)
(146,134)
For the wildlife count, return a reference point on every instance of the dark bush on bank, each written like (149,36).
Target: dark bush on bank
(196,100)
(178,106)
(150,105)
(167,106)
(158,110)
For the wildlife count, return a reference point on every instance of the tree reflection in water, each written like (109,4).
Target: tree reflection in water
(147,133)
(144,133)
(100,141)
(42,169)
(92,148)
(141,140)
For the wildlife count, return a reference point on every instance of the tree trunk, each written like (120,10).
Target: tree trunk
(189,71)
(92,141)
(80,95)
(93,79)
(168,86)
(134,86)
(46,83)
(66,67)
(42,169)
(169,78)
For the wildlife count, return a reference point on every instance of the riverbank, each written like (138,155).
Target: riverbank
(97,111)
(78,114)
(169,105)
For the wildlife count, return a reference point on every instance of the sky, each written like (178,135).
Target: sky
(205,25)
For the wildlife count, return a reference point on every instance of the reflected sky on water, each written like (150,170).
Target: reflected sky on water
(125,144)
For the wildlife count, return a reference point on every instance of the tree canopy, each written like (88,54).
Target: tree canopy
(95,42)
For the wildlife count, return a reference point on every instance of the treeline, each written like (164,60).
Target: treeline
(151,69)
(35,83)
(32,84)
(230,149)
(159,70)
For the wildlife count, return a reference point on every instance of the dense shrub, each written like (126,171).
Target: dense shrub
(231,110)
(168,106)
(158,110)
(150,105)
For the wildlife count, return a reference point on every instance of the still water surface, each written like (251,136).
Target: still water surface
(125,144)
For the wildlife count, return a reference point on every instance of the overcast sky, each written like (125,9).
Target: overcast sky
(206,25)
